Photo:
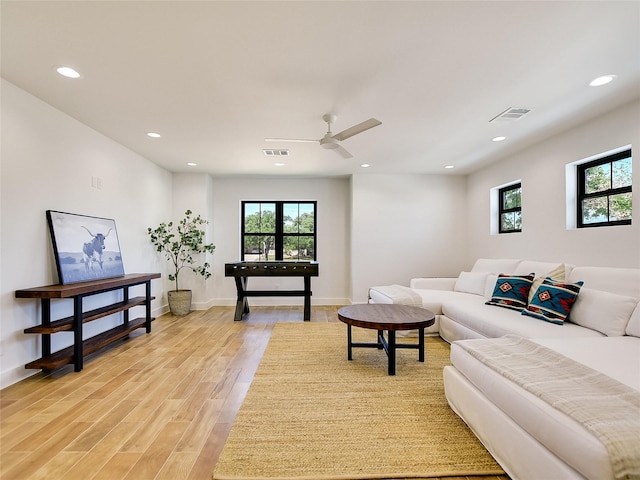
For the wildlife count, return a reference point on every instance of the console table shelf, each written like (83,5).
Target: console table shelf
(64,356)
(77,292)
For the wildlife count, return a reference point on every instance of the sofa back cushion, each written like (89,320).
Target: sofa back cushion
(633,327)
(495,265)
(602,311)
(557,274)
(542,269)
(471,282)
(621,281)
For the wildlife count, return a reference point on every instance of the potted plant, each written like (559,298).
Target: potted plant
(183,244)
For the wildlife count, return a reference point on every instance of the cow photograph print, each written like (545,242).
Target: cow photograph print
(86,248)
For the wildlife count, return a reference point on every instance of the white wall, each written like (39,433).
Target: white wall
(406,226)
(373,229)
(332,195)
(544,233)
(194,191)
(48,161)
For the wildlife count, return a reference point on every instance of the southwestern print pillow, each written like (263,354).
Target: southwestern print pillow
(511,291)
(552,301)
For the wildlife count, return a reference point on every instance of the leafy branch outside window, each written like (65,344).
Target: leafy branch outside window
(510,209)
(605,191)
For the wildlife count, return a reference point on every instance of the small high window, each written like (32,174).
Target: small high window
(510,208)
(604,191)
(278,230)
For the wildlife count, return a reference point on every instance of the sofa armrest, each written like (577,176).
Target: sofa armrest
(433,283)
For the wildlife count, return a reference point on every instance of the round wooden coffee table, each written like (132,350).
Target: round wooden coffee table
(389,317)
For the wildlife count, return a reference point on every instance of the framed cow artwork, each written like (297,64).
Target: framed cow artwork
(86,248)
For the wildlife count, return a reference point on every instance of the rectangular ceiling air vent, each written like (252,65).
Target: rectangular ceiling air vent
(270,152)
(511,113)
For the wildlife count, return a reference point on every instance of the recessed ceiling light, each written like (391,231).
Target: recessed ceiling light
(192,164)
(279,164)
(498,139)
(449,167)
(153,135)
(68,72)
(598,82)
(365,165)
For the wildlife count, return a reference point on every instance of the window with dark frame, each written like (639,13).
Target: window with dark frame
(510,209)
(604,191)
(278,230)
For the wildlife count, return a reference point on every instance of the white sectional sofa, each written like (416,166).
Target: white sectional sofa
(507,366)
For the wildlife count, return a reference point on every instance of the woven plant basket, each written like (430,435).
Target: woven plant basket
(179,302)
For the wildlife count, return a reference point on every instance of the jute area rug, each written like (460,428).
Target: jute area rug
(312,414)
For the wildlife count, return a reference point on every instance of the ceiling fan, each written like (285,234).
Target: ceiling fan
(331,141)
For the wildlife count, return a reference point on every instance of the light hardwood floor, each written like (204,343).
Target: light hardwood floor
(157,406)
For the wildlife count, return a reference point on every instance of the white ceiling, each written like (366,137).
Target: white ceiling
(215,78)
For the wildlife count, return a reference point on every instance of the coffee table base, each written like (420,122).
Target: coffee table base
(389,346)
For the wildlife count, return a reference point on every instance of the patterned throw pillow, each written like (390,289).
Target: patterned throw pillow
(552,301)
(511,291)
(557,275)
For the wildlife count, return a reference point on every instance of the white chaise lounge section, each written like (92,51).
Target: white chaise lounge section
(527,436)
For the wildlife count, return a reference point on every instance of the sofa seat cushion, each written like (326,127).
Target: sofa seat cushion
(493,322)
(434,299)
(616,357)
(427,298)
(559,433)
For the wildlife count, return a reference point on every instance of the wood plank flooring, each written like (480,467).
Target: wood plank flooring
(156,406)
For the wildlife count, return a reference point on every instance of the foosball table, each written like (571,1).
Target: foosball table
(243,270)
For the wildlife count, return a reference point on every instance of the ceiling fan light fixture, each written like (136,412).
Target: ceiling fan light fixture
(329,142)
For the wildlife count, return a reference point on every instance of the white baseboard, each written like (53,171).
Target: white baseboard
(14,375)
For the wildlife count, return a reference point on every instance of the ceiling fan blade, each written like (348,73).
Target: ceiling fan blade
(299,140)
(341,150)
(356,129)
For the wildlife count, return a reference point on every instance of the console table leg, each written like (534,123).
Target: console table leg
(46,320)
(242,305)
(307,299)
(77,333)
(147,306)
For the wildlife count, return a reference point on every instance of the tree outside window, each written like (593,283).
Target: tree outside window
(604,191)
(510,209)
(278,230)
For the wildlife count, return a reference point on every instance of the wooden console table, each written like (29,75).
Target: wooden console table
(78,291)
(242,270)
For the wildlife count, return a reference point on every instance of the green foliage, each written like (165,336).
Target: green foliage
(603,178)
(511,221)
(512,198)
(181,243)
(263,221)
(260,231)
